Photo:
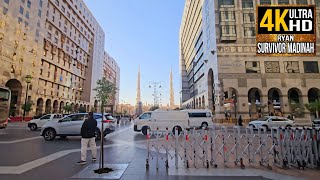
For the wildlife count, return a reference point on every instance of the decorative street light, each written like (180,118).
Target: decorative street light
(28,79)
(249,105)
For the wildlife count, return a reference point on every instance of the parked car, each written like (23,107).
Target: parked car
(71,126)
(200,117)
(36,123)
(316,123)
(271,121)
(161,120)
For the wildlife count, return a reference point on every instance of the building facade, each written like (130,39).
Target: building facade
(111,71)
(220,70)
(60,44)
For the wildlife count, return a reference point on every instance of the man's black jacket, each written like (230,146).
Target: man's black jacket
(88,128)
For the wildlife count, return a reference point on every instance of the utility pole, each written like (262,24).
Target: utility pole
(156,93)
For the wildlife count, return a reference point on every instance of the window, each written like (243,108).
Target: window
(5,10)
(227,16)
(302,1)
(49,35)
(26,24)
(252,67)
(247,4)
(226,2)
(311,67)
(249,32)
(28,4)
(248,17)
(57,2)
(228,30)
(21,10)
(39,13)
(53,18)
(38,23)
(41,71)
(27,14)
(37,33)
(7,1)
(40,3)
(48,74)
(50,27)
(145,116)
(19,20)
(283,1)
(291,66)
(45,117)
(272,66)
(199,114)
(63,9)
(265,1)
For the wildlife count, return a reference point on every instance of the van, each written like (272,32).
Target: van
(200,117)
(161,120)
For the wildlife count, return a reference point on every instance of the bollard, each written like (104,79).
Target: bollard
(176,147)
(157,154)
(167,148)
(185,149)
(212,147)
(148,148)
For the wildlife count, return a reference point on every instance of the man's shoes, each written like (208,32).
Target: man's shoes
(81,162)
(94,159)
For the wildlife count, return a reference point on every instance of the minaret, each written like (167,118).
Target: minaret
(138,98)
(171,91)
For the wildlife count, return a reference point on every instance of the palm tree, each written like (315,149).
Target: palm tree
(314,108)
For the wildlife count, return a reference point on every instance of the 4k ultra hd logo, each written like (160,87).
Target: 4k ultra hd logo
(286,30)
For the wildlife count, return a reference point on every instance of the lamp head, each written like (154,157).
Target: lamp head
(28,78)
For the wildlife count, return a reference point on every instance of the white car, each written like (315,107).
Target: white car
(34,124)
(71,126)
(271,121)
(200,118)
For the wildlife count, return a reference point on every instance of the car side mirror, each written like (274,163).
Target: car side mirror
(60,121)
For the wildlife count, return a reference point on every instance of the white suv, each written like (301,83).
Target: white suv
(71,126)
(271,121)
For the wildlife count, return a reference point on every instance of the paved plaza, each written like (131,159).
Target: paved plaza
(26,155)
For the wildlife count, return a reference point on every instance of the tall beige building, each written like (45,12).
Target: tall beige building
(112,73)
(59,43)
(220,70)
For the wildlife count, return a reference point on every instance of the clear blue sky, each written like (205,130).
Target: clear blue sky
(144,32)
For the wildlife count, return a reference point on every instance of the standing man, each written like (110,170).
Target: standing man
(88,134)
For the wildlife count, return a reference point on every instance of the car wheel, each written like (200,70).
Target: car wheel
(204,125)
(49,134)
(33,127)
(265,127)
(144,130)
(288,126)
(179,130)
(251,126)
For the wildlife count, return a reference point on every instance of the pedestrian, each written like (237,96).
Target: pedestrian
(240,121)
(88,134)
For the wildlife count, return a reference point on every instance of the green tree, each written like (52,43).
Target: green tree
(27,107)
(314,108)
(105,90)
(67,108)
(82,110)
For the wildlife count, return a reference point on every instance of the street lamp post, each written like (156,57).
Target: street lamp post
(249,105)
(235,105)
(28,79)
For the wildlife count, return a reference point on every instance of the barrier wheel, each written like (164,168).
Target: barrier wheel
(207,164)
(242,166)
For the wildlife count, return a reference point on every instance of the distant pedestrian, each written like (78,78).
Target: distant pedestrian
(240,121)
(88,133)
